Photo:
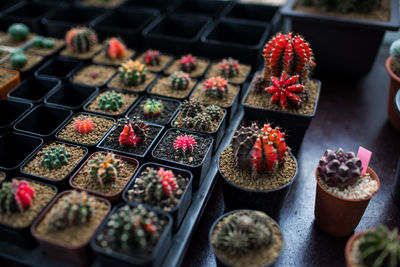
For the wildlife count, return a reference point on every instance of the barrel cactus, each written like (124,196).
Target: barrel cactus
(191,107)
(18,59)
(179,80)
(43,42)
(18,32)
(229,67)
(188,63)
(110,101)
(55,157)
(104,168)
(395,51)
(132,73)
(114,48)
(84,126)
(81,39)
(185,144)
(216,87)
(214,112)
(152,108)
(15,196)
(152,57)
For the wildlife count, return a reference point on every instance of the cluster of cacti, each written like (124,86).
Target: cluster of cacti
(156,185)
(76,208)
(380,247)
(200,122)
(43,42)
(132,72)
(242,232)
(345,6)
(15,196)
(191,107)
(18,59)
(216,87)
(339,168)
(214,112)
(152,108)
(395,51)
(18,32)
(185,144)
(259,149)
(84,126)
(131,229)
(200,119)
(134,132)
(152,57)
(55,157)
(188,63)
(229,67)
(110,101)
(179,80)
(114,48)
(104,168)
(81,39)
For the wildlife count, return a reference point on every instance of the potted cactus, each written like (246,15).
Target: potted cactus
(2,176)
(132,76)
(155,60)
(18,35)
(93,75)
(133,235)
(82,43)
(105,174)
(230,69)
(393,68)
(284,92)
(194,66)
(177,85)
(65,228)
(25,63)
(374,247)
(45,46)
(114,52)
(344,189)
(257,168)
(245,238)
(162,187)
(9,79)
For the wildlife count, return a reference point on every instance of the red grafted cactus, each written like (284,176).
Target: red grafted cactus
(168,181)
(188,63)
(284,89)
(185,144)
(84,126)
(115,48)
(134,132)
(152,57)
(15,196)
(216,87)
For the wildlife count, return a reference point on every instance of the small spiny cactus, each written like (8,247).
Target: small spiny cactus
(152,108)
(42,42)
(185,144)
(132,72)
(395,51)
(191,107)
(104,168)
(84,126)
(202,122)
(152,57)
(216,87)
(179,80)
(188,63)
(18,59)
(214,112)
(110,101)
(81,39)
(135,131)
(55,157)
(115,48)
(18,32)
(229,67)
(15,196)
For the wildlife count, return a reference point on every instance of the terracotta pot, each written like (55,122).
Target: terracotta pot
(394,116)
(338,216)
(10,84)
(349,245)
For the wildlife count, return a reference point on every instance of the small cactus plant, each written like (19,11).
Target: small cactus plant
(18,32)
(55,157)
(191,107)
(114,48)
(214,112)
(76,208)
(42,42)
(216,87)
(152,57)
(229,67)
(339,168)
(104,168)
(188,63)
(18,59)
(132,72)
(179,80)
(185,144)
(110,101)
(15,196)
(134,132)
(84,126)
(395,51)
(152,108)
(242,232)
(81,39)
(380,247)
(201,122)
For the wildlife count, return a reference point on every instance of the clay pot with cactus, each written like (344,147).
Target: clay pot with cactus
(393,68)
(344,190)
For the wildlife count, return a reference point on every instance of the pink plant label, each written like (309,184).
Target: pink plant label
(365,156)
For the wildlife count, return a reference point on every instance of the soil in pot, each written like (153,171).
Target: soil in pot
(262,256)
(105,4)
(36,167)
(5,76)
(43,194)
(169,109)
(95,75)
(201,67)
(4,54)
(101,126)
(163,87)
(127,101)
(83,180)
(166,150)
(117,83)
(164,61)
(225,102)
(244,71)
(103,59)
(8,41)
(33,60)
(58,44)
(84,55)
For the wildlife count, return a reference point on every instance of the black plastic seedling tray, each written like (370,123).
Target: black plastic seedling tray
(212,8)
(72,96)
(11,111)
(34,90)
(60,68)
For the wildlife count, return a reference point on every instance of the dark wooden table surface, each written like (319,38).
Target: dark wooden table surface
(350,114)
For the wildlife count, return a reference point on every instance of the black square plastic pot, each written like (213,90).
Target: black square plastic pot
(357,40)
(142,157)
(176,33)
(11,111)
(34,89)
(26,73)
(157,4)
(16,147)
(179,211)
(60,68)
(294,124)
(113,258)
(268,201)
(239,39)
(59,21)
(199,171)
(72,96)
(22,236)
(43,120)
(82,67)
(125,23)
(6,4)
(211,8)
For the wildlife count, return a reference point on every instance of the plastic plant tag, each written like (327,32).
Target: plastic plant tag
(365,156)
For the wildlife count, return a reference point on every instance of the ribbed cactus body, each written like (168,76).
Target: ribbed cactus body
(152,57)
(179,80)
(152,108)
(188,63)
(132,73)
(81,39)
(191,107)
(216,87)
(55,157)
(395,51)
(18,32)
(15,196)
(104,168)
(110,101)
(115,48)
(18,59)
(229,67)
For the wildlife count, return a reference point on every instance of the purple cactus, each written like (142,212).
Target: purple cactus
(338,168)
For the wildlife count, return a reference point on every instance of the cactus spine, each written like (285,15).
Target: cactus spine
(110,101)
(55,157)
(104,168)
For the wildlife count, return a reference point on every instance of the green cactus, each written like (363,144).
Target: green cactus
(104,168)
(15,196)
(152,108)
(214,112)
(132,72)
(81,39)
(191,108)
(18,59)
(179,80)
(18,32)
(42,42)
(395,51)
(55,157)
(202,122)
(110,101)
